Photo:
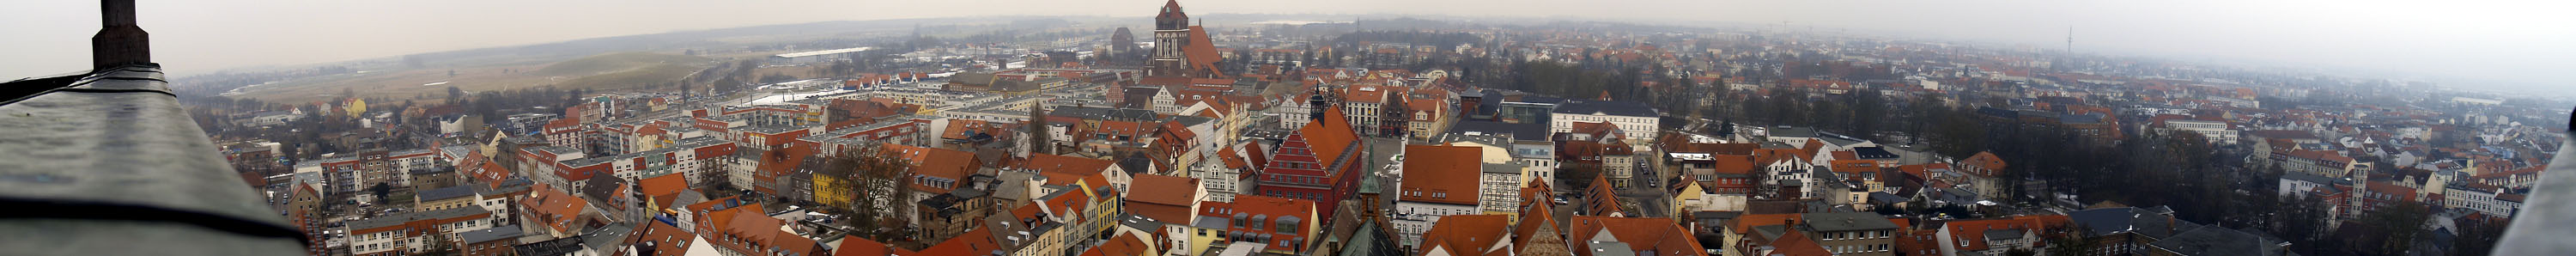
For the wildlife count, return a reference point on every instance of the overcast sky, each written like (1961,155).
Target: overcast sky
(2525,44)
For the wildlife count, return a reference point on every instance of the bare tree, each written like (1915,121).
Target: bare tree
(716,180)
(1037,125)
(438,243)
(875,180)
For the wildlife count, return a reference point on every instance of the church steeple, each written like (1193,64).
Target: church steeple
(1172,18)
(1315,105)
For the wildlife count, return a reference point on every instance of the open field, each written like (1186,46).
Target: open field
(655,76)
(606,72)
(614,62)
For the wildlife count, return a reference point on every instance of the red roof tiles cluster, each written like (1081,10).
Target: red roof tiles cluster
(747,230)
(1971,233)
(1267,211)
(1661,236)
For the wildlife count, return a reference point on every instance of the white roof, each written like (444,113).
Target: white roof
(822,52)
(1695,138)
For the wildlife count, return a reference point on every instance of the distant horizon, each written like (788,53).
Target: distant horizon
(2490,86)
(2456,44)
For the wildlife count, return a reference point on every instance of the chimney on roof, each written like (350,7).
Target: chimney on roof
(119,41)
(646,248)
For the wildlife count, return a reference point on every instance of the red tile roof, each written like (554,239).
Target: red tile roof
(1733,164)
(1275,206)
(1441,174)
(1259,157)
(1067,164)
(490,172)
(958,129)
(553,208)
(935,162)
(1744,224)
(1589,150)
(753,231)
(1463,235)
(2402,193)
(1112,129)
(778,163)
(1661,236)
(750,224)
(855,246)
(1370,93)
(1163,198)
(1125,244)
(1535,210)
(1200,52)
(1987,161)
(1436,108)
(1600,199)
(1268,209)
(1162,189)
(1797,244)
(2327,155)
(1812,146)
(718,219)
(665,189)
(668,240)
(650,129)
(1599,130)
(1329,137)
(1070,204)
(1770,156)
(1972,232)
(1232,159)
(973,242)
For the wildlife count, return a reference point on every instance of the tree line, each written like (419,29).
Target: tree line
(2202,181)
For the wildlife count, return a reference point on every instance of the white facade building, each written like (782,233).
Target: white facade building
(1414,217)
(1500,192)
(2482,200)
(2217,132)
(1640,122)
(1220,183)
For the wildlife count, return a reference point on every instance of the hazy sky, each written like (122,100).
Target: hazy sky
(2525,43)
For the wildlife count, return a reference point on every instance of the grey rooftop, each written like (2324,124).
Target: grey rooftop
(1846,221)
(109,156)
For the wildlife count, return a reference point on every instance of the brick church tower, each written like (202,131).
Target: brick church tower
(1171,33)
